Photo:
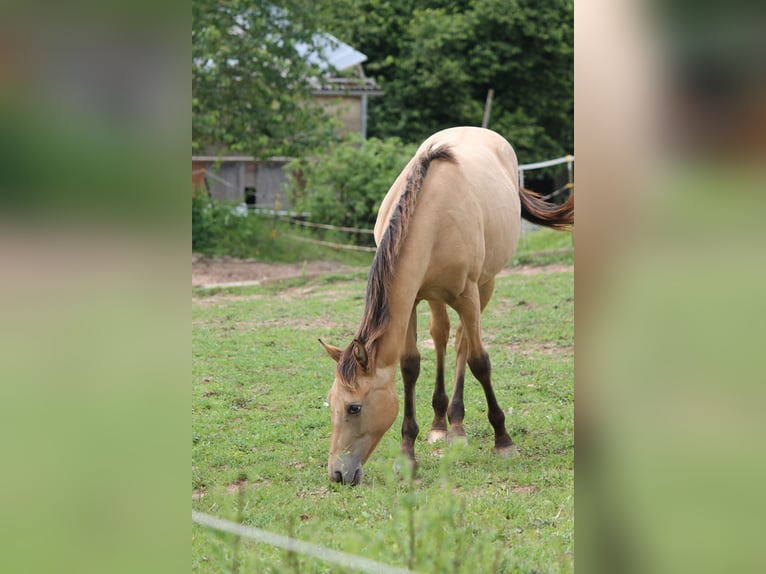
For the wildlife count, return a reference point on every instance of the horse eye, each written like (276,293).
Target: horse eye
(354,409)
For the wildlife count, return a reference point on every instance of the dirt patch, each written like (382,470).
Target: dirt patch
(529,270)
(231,272)
(235,486)
(530,348)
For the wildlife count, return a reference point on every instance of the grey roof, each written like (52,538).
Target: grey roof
(338,54)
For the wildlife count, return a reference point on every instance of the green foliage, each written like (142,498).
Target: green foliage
(260,436)
(543,246)
(345,186)
(251,89)
(219,229)
(436,59)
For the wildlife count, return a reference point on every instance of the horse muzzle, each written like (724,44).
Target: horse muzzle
(346,472)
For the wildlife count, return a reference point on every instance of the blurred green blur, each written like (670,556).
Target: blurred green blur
(671,277)
(94,206)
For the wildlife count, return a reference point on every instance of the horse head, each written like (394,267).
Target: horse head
(363,406)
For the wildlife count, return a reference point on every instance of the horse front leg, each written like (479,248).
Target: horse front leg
(409,363)
(440,334)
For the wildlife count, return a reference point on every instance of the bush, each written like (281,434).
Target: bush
(221,228)
(345,186)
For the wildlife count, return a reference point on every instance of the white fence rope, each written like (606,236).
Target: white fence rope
(328,226)
(567,159)
(548,163)
(330,243)
(559,190)
(293,545)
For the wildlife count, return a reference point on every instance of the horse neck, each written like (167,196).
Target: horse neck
(402,296)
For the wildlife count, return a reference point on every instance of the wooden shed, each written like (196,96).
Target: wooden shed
(344,93)
(259,183)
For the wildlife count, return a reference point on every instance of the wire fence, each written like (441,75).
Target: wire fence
(331,244)
(567,159)
(547,163)
(351,561)
(560,190)
(327,226)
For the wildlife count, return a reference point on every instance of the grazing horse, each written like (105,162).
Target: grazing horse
(447,226)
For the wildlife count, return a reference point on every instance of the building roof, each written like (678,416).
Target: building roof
(346,86)
(337,54)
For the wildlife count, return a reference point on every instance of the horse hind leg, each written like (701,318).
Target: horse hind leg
(472,305)
(440,334)
(481,369)
(456,409)
(409,363)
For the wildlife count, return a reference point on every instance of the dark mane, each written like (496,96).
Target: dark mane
(377,312)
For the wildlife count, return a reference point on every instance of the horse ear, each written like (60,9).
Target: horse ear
(334,352)
(360,354)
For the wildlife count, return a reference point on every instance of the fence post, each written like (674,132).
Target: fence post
(487,108)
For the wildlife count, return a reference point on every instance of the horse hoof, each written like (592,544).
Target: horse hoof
(436,435)
(506,451)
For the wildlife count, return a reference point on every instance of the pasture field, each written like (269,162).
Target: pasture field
(260,435)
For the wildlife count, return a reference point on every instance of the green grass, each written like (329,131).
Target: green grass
(544,246)
(260,436)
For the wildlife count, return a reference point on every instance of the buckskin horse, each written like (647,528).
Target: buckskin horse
(447,226)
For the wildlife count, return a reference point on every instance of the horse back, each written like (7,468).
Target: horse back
(467,217)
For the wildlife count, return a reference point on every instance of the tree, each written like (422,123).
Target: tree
(251,79)
(436,59)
